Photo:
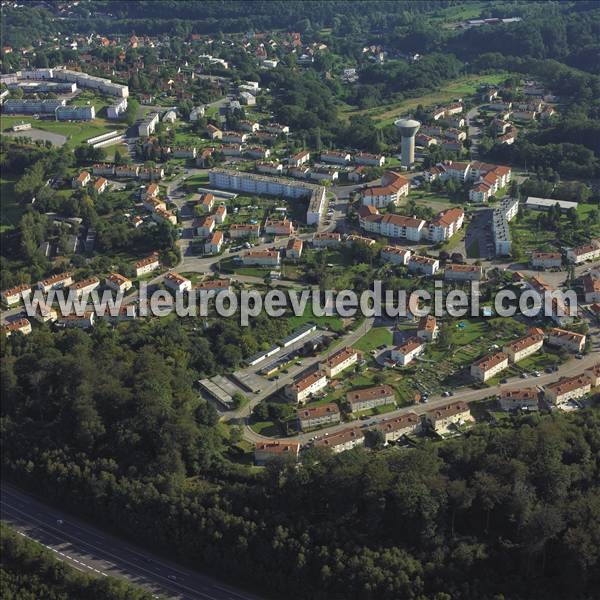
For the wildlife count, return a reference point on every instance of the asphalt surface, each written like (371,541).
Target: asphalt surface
(94,552)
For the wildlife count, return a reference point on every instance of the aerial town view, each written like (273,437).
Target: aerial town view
(300,300)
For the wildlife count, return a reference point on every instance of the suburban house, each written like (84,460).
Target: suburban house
(393,186)
(269,167)
(310,417)
(294,248)
(45,313)
(546,260)
(279,227)
(408,350)
(370,160)
(85,286)
(569,340)
(594,374)
(100,185)
(19,326)
(427,329)
(218,285)
(591,287)
(445,224)
(261,258)
(164,216)
(220,214)
(84,321)
(153,203)
(242,230)
(423,265)
(489,366)
(523,399)
(205,226)
(266,451)
(305,387)
(118,282)
(342,440)
(326,239)
(448,417)
(214,244)
(581,254)
(176,282)
(151,191)
(299,159)
(56,282)
(395,255)
(15,294)
(372,397)
(336,363)
(358,239)
(524,347)
(81,180)
(147,265)
(393,429)
(336,158)
(207,201)
(567,388)
(214,133)
(463,272)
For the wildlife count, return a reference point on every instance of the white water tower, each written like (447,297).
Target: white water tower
(408,130)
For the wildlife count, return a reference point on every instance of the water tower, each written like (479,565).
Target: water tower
(408,129)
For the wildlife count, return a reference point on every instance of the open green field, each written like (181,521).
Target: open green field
(464,86)
(377,336)
(76,133)
(10,208)
(333,323)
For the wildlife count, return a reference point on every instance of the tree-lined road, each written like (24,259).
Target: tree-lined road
(94,552)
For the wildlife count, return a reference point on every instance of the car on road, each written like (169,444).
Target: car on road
(579,356)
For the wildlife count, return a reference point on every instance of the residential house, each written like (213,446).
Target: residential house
(358,239)
(463,272)
(395,255)
(19,326)
(267,451)
(164,216)
(81,180)
(100,185)
(406,352)
(294,248)
(220,214)
(242,230)
(44,313)
(342,359)
(147,265)
(152,204)
(218,285)
(250,126)
(423,265)
(118,282)
(258,152)
(214,133)
(263,258)
(326,239)
(487,367)
(207,202)
(369,160)
(214,244)
(519,349)
(279,227)
(270,167)
(569,340)
(427,329)
(310,417)
(306,386)
(342,440)
(392,187)
(84,321)
(591,287)
(336,158)
(522,399)
(394,226)
(447,418)
(16,294)
(445,224)
(546,260)
(567,388)
(299,159)
(177,283)
(581,254)
(594,374)
(369,398)
(395,428)
(234,137)
(85,286)
(204,226)
(56,282)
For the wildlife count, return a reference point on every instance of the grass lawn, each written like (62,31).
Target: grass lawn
(463,86)
(378,410)
(377,336)
(10,208)
(77,132)
(332,323)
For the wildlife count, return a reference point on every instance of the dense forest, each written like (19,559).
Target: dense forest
(109,426)
(29,571)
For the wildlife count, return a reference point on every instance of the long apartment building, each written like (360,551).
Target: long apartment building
(523,399)
(581,254)
(336,363)
(306,386)
(567,388)
(342,440)
(569,340)
(445,418)
(252,183)
(489,366)
(501,217)
(369,398)
(524,347)
(440,228)
(310,417)
(393,429)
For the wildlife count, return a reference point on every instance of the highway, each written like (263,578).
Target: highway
(92,551)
